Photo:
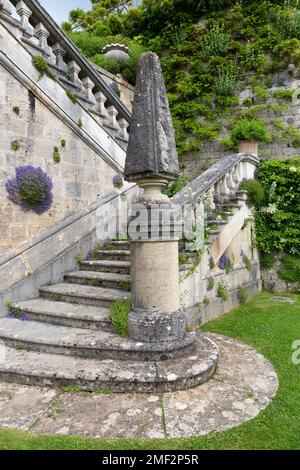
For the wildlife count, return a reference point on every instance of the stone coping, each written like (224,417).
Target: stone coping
(244,385)
(210,177)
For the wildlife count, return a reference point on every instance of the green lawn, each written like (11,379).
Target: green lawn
(271,327)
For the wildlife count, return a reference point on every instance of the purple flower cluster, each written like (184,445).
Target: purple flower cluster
(31,189)
(11,313)
(115,88)
(118,181)
(225,263)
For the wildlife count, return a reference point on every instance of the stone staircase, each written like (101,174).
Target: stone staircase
(68,339)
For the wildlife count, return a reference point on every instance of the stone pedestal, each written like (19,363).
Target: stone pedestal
(248,146)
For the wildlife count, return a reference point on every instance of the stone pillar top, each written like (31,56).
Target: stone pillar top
(151,149)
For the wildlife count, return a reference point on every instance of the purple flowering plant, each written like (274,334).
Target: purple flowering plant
(225,263)
(118,181)
(31,189)
(16,312)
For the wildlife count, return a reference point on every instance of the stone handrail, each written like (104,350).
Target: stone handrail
(221,179)
(44,37)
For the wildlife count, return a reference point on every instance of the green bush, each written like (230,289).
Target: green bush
(175,186)
(119,312)
(289,270)
(278,221)
(267,260)
(255,190)
(250,129)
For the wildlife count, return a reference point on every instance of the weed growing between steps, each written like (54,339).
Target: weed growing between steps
(119,312)
(71,96)
(15,312)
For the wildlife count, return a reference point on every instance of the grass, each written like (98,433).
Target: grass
(271,327)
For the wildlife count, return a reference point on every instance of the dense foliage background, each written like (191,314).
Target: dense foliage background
(210,51)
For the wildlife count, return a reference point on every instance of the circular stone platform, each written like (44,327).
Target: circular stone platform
(242,386)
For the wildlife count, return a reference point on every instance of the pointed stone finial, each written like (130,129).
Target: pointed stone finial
(151,149)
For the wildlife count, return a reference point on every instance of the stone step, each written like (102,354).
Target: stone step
(120,244)
(119,255)
(106,266)
(109,280)
(77,342)
(66,314)
(42,369)
(84,295)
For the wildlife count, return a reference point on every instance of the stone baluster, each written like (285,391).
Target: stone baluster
(74,70)
(225,191)
(217,191)
(89,85)
(230,181)
(6,7)
(237,174)
(59,53)
(123,134)
(112,118)
(100,107)
(42,33)
(24,13)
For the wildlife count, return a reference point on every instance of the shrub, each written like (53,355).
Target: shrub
(42,66)
(267,260)
(278,221)
(216,43)
(255,190)
(223,290)
(175,186)
(250,129)
(242,295)
(119,312)
(31,189)
(225,82)
(289,270)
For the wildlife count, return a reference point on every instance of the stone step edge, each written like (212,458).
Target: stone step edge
(165,380)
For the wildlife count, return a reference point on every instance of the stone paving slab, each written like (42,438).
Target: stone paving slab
(21,406)
(118,416)
(243,385)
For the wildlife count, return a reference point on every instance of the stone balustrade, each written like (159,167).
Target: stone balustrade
(42,36)
(218,185)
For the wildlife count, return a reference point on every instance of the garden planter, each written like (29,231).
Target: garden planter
(248,146)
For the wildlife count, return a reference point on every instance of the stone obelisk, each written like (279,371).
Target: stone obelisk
(152,162)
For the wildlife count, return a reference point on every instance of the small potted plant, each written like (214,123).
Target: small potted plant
(247,133)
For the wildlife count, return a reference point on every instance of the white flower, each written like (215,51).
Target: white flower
(293,169)
(271,209)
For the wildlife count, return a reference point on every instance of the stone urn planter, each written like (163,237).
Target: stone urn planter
(115,51)
(248,146)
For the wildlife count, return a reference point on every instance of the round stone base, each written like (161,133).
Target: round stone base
(157,328)
(243,385)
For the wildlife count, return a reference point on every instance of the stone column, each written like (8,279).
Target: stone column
(152,162)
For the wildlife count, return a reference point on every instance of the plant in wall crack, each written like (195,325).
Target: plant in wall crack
(225,264)
(223,290)
(16,110)
(63,143)
(246,260)
(71,96)
(210,283)
(118,181)
(15,145)
(242,295)
(42,66)
(31,189)
(119,313)
(56,156)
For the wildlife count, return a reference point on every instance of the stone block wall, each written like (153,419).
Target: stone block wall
(80,178)
(210,152)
